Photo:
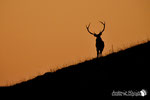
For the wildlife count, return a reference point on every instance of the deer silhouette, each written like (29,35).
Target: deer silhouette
(99,41)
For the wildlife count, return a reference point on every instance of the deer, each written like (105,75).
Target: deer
(99,41)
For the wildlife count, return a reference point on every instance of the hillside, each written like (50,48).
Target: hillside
(124,70)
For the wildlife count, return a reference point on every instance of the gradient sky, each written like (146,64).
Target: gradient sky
(37,36)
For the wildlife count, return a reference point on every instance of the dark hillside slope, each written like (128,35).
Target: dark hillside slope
(125,70)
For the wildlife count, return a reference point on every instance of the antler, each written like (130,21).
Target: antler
(87,27)
(104,26)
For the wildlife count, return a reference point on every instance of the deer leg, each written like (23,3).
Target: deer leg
(101,50)
(100,53)
(97,53)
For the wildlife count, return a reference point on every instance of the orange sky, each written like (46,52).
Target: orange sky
(37,36)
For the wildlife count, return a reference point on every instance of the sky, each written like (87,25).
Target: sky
(38,36)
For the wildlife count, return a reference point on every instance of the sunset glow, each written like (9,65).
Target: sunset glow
(37,36)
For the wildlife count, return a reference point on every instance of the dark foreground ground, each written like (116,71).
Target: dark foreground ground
(122,71)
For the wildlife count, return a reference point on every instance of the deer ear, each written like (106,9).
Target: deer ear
(100,33)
